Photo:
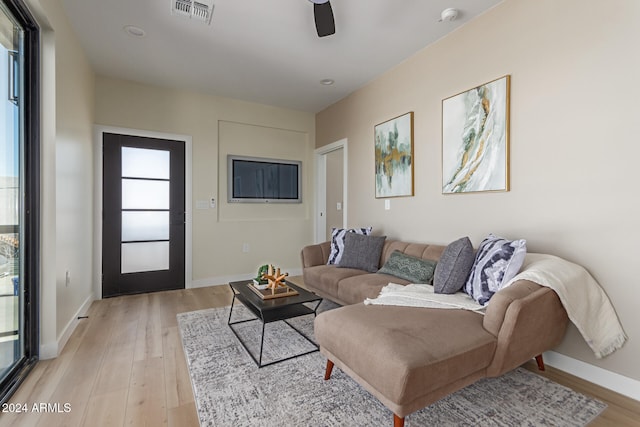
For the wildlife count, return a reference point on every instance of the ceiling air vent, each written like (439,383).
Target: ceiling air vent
(200,10)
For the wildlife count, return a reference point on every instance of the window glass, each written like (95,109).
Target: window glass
(11,176)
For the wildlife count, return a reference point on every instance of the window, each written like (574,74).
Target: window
(19,195)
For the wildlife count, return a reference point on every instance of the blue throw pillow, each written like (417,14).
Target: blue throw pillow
(497,261)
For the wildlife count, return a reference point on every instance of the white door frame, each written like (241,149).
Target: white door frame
(320,211)
(97,203)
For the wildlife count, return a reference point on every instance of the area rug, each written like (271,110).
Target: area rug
(230,390)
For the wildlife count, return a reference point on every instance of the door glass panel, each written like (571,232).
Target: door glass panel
(11,179)
(147,256)
(145,163)
(149,190)
(145,194)
(145,226)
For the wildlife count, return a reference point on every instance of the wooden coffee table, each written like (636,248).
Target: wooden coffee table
(272,310)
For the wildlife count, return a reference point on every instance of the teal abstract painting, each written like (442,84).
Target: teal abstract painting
(475,139)
(394,157)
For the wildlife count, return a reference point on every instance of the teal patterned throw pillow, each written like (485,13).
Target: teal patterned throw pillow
(407,267)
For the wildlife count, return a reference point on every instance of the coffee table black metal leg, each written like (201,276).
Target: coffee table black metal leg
(261,346)
(315,310)
(255,359)
(230,324)
(231,309)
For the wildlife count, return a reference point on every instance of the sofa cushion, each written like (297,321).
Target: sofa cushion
(355,289)
(454,267)
(497,261)
(337,241)
(415,270)
(409,355)
(418,250)
(324,279)
(362,252)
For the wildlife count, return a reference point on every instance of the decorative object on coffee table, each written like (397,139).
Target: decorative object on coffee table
(275,280)
(259,281)
(271,284)
(266,293)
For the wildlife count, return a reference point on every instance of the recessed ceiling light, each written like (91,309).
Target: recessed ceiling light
(327,82)
(134,31)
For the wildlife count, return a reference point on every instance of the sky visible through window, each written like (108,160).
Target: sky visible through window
(8,121)
(9,132)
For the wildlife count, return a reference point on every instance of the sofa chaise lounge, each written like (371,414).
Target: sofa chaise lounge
(410,357)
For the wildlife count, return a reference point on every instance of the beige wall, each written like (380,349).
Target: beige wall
(574,106)
(66,177)
(74,173)
(221,126)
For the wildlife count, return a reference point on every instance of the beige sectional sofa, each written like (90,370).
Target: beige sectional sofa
(410,357)
(351,286)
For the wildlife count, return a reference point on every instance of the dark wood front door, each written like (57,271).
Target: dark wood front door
(143,223)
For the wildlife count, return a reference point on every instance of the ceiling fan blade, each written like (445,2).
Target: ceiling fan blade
(323,14)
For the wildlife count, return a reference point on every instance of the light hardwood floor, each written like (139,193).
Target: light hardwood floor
(124,366)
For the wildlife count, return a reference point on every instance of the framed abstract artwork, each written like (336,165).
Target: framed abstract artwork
(394,157)
(475,139)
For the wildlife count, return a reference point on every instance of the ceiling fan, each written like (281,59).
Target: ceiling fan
(323,15)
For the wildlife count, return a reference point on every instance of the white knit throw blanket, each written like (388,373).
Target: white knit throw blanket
(585,301)
(421,295)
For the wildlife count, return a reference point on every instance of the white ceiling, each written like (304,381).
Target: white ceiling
(264,51)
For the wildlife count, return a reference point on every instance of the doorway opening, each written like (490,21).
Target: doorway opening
(331,189)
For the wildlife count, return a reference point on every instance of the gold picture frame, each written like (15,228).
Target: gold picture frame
(393,142)
(475,139)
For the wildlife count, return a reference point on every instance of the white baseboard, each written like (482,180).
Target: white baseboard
(52,350)
(607,379)
(48,351)
(222,280)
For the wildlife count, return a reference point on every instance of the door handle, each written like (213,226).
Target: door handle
(13,76)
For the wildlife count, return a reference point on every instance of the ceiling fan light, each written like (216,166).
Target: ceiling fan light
(318,1)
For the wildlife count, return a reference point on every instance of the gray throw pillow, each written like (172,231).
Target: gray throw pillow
(362,252)
(407,267)
(337,241)
(454,267)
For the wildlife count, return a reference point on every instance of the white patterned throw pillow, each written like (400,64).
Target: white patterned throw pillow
(337,241)
(497,261)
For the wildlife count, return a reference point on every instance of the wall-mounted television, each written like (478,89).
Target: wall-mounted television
(262,180)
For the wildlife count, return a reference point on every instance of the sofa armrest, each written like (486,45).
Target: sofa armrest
(528,319)
(499,303)
(315,254)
